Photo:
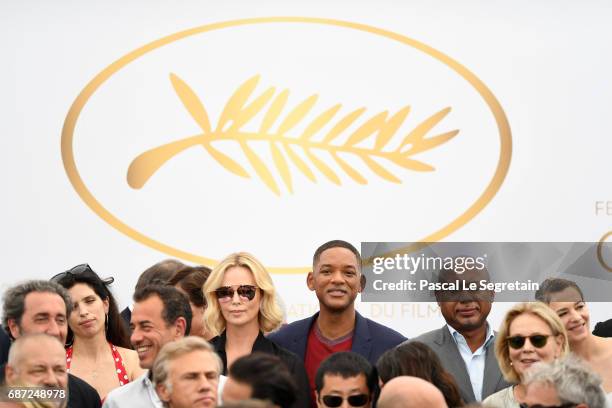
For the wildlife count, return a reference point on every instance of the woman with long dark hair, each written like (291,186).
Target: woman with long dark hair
(98,348)
(416,359)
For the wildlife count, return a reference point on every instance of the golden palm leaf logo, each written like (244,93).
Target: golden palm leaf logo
(237,114)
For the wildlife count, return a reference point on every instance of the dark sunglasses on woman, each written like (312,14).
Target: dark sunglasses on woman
(334,401)
(80,270)
(226,293)
(536,340)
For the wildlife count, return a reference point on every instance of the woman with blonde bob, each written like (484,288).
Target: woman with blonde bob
(242,305)
(530,333)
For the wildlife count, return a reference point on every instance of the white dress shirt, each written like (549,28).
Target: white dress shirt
(474,362)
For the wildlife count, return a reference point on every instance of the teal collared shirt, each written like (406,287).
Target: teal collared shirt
(474,362)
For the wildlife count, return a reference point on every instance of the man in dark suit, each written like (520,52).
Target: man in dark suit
(336,279)
(465,344)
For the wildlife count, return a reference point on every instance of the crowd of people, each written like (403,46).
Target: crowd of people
(196,337)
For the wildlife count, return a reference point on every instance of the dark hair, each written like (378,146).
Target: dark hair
(159,273)
(175,303)
(268,377)
(551,286)
(14,300)
(416,359)
(116,333)
(191,279)
(337,243)
(346,364)
(247,403)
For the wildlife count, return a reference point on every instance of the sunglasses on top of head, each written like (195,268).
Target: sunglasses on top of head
(334,401)
(537,341)
(226,293)
(80,270)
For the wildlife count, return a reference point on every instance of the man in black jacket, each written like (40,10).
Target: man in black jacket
(39,306)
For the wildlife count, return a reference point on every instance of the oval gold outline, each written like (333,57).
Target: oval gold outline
(77,106)
(600,245)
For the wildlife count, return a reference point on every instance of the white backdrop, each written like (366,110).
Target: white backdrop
(547,65)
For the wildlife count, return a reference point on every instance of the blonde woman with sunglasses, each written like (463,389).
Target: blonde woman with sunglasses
(242,306)
(530,333)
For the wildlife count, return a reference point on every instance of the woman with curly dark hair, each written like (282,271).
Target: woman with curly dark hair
(98,346)
(416,359)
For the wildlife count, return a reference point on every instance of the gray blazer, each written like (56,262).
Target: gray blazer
(444,345)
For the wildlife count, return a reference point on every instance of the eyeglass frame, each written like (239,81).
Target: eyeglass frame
(566,405)
(348,399)
(524,340)
(84,268)
(235,291)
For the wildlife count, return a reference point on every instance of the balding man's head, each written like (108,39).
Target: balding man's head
(37,360)
(410,392)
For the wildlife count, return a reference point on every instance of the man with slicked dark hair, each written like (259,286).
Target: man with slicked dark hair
(161,315)
(261,376)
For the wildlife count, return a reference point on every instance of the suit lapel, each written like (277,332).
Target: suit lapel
(362,340)
(453,362)
(492,373)
(300,339)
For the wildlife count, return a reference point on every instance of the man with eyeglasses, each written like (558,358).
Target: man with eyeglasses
(161,315)
(345,379)
(39,306)
(465,344)
(563,383)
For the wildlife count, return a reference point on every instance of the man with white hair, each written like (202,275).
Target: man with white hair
(410,392)
(186,374)
(563,383)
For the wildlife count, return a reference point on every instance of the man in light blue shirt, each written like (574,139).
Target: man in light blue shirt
(161,315)
(465,344)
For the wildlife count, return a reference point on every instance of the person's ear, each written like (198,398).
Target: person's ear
(14,329)
(10,374)
(106,305)
(180,325)
(318,400)
(310,280)
(162,391)
(362,282)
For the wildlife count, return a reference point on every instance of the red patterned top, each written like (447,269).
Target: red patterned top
(121,372)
